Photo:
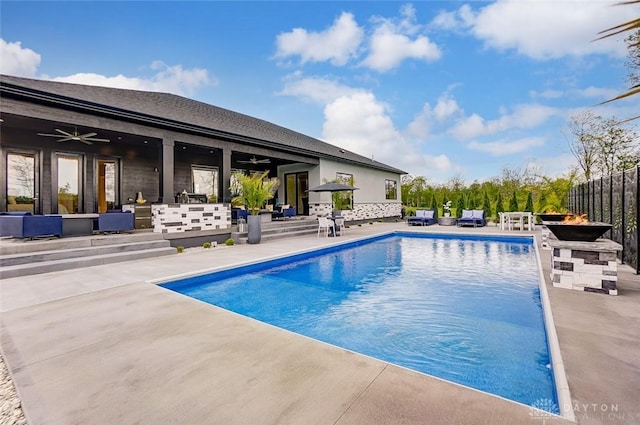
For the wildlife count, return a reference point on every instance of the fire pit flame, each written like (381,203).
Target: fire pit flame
(576,219)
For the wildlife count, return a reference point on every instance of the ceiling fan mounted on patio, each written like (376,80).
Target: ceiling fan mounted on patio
(255,161)
(65,136)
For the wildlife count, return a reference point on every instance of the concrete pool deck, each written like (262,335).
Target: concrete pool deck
(101,345)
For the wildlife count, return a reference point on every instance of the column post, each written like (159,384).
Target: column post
(167,176)
(226,175)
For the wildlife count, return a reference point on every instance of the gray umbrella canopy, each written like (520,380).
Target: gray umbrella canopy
(332,187)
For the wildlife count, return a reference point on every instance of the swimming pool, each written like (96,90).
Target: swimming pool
(465,309)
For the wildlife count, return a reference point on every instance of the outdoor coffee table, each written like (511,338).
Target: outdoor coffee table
(447,221)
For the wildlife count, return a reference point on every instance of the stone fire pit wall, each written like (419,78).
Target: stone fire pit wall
(585,266)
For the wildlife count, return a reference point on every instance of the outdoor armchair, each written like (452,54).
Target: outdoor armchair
(24,225)
(473,218)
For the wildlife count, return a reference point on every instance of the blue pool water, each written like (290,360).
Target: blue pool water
(464,309)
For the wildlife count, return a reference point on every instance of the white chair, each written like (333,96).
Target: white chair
(339,223)
(326,224)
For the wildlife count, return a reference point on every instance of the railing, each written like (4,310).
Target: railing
(613,200)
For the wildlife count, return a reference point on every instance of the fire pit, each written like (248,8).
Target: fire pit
(578,228)
(553,216)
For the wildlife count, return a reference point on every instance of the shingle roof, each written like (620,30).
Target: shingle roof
(182,110)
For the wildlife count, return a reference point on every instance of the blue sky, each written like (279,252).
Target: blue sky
(439,89)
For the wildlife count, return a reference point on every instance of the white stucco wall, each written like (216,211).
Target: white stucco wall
(369,200)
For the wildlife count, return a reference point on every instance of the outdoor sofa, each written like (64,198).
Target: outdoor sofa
(284,211)
(423,218)
(22,224)
(473,218)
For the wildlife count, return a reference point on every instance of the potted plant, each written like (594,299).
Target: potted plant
(447,208)
(253,191)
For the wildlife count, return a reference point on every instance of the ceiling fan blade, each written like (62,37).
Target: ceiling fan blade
(66,133)
(88,135)
(49,135)
(263,161)
(64,139)
(86,142)
(94,139)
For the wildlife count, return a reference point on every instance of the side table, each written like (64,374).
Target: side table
(447,221)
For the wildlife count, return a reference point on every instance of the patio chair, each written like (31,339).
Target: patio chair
(473,218)
(324,224)
(115,221)
(24,225)
(339,222)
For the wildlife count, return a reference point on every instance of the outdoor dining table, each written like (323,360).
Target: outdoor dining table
(508,219)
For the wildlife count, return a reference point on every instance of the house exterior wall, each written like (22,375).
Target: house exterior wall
(369,201)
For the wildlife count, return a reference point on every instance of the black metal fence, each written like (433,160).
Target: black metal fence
(613,200)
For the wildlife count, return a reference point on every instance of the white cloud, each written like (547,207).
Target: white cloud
(392,42)
(317,89)
(599,93)
(460,19)
(550,29)
(503,147)
(523,116)
(446,107)
(361,123)
(336,44)
(18,61)
(172,79)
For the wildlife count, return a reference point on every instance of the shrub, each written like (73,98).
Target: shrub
(229,242)
(180,249)
(206,245)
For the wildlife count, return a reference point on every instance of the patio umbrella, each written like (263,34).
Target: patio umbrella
(332,187)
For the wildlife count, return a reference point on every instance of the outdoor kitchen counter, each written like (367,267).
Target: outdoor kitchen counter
(177,218)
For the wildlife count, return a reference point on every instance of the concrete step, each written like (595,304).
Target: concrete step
(241,238)
(74,263)
(18,246)
(277,230)
(69,253)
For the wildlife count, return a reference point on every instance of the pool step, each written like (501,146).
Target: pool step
(281,229)
(24,258)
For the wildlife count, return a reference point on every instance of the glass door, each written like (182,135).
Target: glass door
(296,194)
(22,182)
(69,184)
(107,185)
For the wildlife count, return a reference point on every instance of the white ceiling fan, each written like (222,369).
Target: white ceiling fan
(255,161)
(65,136)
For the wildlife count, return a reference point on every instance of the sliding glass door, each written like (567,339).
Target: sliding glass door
(296,195)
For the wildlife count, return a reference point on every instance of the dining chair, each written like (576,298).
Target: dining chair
(325,224)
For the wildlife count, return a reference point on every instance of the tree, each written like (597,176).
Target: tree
(486,205)
(584,145)
(529,205)
(499,204)
(460,206)
(633,44)
(434,205)
(513,203)
(618,147)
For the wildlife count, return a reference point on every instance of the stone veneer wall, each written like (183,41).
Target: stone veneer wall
(176,218)
(371,211)
(584,269)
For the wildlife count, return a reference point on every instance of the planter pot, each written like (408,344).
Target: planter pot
(254,233)
(447,214)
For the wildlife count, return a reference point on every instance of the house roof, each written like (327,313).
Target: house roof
(178,111)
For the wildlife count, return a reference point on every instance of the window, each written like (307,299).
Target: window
(21,182)
(205,182)
(343,200)
(391,189)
